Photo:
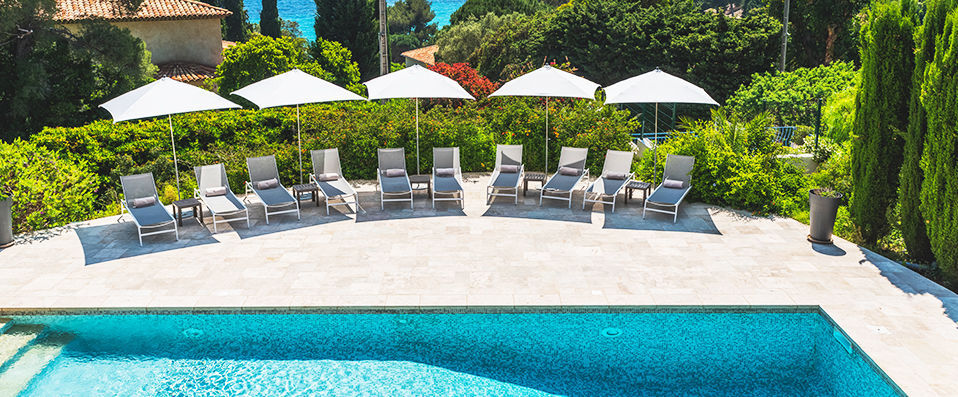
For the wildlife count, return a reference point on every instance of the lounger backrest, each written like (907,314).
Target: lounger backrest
(208,176)
(445,157)
(138,186)
(392,158)
(573,157)
(262,168)
(679,168)
(617,161)
(326,161)
(508,155)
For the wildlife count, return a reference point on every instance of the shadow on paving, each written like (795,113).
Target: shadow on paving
(529,208)
(692,219)
(103,243)
(310,215)
(422,208)
(913,283)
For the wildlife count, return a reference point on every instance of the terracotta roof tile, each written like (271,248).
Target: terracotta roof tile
(425,55)
(185,72)
(148,10)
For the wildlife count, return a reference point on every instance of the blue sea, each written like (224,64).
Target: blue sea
(303,12)
(668,353)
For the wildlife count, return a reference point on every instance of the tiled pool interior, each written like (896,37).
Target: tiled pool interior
(420,353)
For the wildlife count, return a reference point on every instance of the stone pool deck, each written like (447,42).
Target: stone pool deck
(497,255)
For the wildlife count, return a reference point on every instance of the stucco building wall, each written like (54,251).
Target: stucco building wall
(195,40)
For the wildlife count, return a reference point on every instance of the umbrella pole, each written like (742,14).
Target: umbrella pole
(417,136)
(655,158)
(546,170)
(173,144)
(299,144)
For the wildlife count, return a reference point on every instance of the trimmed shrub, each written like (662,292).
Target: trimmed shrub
(881,116)
(47,190)
(477,8)
(470,79)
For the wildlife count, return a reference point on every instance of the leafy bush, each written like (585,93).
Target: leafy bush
(47,190)
(735,165)
(790,96)
(470,79)
(838,114)
(478,8)
(513,44)
(409,26)
(461,41)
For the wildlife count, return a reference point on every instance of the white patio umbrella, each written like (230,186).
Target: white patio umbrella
(165,97)
(547,82)
(656,87)
(415,82)
(294,87)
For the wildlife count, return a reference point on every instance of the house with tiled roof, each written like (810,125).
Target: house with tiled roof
(425,56)
(183,36)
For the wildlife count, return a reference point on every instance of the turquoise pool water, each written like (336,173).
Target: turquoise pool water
(304,12)
(472,354)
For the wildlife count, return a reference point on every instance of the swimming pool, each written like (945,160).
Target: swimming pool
(649,352)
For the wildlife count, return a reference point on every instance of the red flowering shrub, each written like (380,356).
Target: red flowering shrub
(469,78)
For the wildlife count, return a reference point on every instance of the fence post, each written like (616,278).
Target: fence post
(818,121)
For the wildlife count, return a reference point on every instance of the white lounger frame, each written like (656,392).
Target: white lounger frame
(382,195)
(542,193)
(139,228)
(600,197)
(223,215)
(343,197)
(249,188)
(494,190)
(675,207)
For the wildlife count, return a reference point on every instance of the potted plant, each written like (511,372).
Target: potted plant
(6,221)
(822,209)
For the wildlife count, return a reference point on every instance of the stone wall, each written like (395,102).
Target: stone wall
(194,41)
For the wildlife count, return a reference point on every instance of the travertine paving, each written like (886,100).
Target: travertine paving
(498,255)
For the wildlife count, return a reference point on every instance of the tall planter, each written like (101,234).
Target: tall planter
(822,212)
(6,222)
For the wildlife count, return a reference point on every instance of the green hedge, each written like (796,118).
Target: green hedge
(357,129)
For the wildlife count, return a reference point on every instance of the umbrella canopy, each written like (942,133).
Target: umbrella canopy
(165,97)
(415,82)
(547,82)
(294,88)
(656,87)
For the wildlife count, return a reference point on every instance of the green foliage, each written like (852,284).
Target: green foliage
(337,61)
(836,171)
(409,26)
(512,47)
(790,96)
(269,24)
(881,114)
(461,42)
(820,32)
(47,190)
(354,24)
(477,8)
(913,227)
(616,39)
(939,190)
(838,114)
(735,164)
(264,56)
(54,77)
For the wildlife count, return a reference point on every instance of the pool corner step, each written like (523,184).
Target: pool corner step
(15,338)
(16,376)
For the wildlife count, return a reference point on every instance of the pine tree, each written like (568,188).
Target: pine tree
(353,24)
(939,190)
(881,115)
(269,20)
(913,226)
(235,25)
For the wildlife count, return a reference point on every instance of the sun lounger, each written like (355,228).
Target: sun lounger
(264,183)
(392,176)
(569,173)
(616,173)
(447,175)
(677,169)
(507,175)
(213,190)
(328,176)
(143,203)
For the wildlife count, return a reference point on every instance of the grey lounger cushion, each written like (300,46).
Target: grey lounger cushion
(607,186)
(562,182)
(336,188)
(447,184)
(151,215)
(395,185)
(667,196)
(509,179)
(223,204)
(275,196)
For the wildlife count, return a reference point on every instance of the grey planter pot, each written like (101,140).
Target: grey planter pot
(821,216)
(6,222)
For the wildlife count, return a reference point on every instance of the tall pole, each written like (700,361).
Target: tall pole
(784,35)
(546,171)
(655,147)
(299,144)
(383,40)
(417,136)
(173,144)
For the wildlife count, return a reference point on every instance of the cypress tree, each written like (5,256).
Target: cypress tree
(881,115)
(939,189)
(234,28)
(353,24)
(913,227)
(269,20)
